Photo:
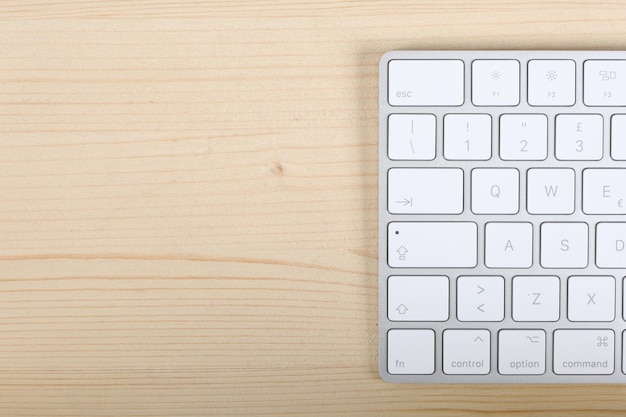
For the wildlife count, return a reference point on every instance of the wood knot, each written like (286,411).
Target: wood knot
(277,169)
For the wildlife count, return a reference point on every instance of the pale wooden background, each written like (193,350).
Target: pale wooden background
(189,204)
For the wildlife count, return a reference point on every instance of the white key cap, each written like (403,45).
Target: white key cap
(591,298)
(611,245)
(551,82)
(495,82)
(508,245)
(480,298)
(564,245)
(523,137)
(495,191)
(604,191)
(425,190)
(411,137)
(584,352)
(467,137)
(604,83)
(618,137)
(411,351)
(466,352)
(550,191)
(432,244)
(536,298)
(428,82)
(418,298)
(521,352)
(579,137)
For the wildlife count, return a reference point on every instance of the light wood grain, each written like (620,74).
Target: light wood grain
(189,204)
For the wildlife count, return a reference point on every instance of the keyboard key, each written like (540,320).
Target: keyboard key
(618,137)
(432,244)
(564,245)
(480,298)
(591,298)
(467,137)
(604,83)
(509,245)
(466,352)
(551,82)
(412,137)
(536,298)
(523,137)
(426,82)
(418,298)
(610,245)
(495,82)
(579,137)
(425,190)
(521,352)
(411,351)
(584,352)
(550,191)
(495,191)
(604,191)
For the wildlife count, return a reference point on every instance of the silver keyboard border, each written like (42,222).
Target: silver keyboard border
(618,325)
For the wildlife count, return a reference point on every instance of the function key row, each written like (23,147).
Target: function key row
(496,82)
(523,137)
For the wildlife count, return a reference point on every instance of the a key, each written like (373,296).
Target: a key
(411,351)
(564,245)
(425,190)
(584,352)
(418,298)
(523,137)
(611,245)
(466,352)
(416,82)
(495,191)
(467,137)
(508,245)
(495,82)
(551,82)
(604,82)
(550,191)
(521,352)
(432,244)
(604,191)
(411,137)
(591,298)
(536,298)
(480,298)
(579,137)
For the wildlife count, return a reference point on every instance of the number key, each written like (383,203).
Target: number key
(523,137)
(467,137)
(579,137)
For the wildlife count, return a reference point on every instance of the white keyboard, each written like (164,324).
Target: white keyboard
(502,216)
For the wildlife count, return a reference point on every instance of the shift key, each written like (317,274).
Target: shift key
(432,244)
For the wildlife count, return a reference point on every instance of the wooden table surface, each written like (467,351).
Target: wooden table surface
(189,204)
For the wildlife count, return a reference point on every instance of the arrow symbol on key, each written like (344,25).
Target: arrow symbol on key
(480,307)
(481,290)
(406,202)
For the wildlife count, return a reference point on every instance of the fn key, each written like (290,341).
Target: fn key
(411,352)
